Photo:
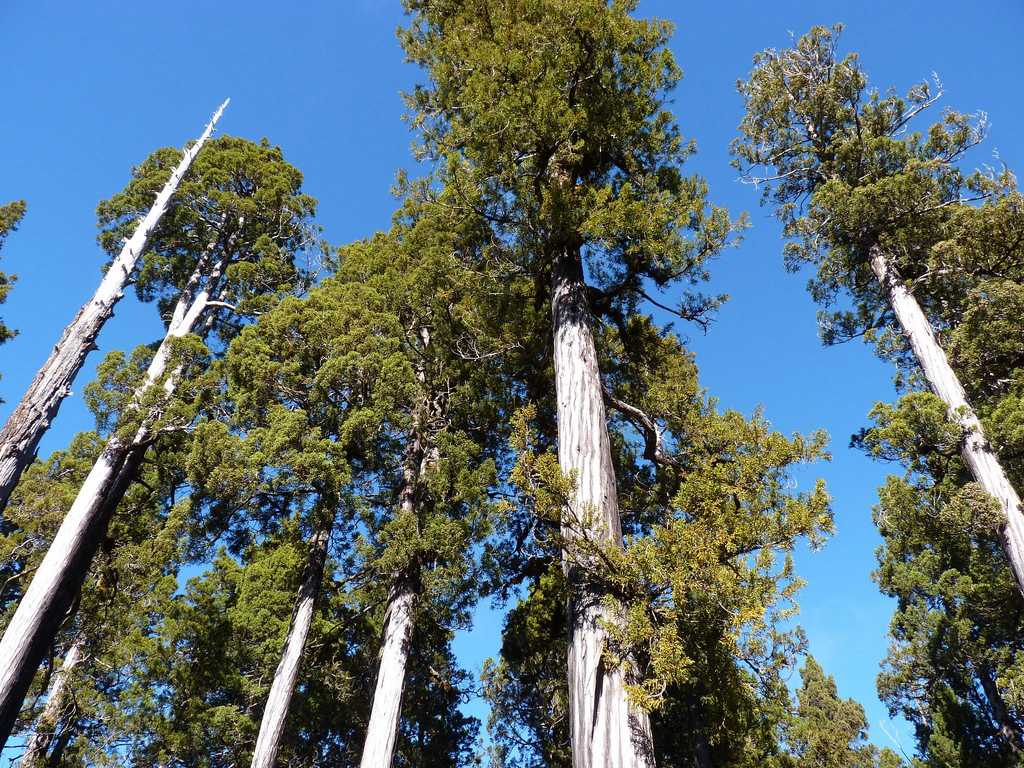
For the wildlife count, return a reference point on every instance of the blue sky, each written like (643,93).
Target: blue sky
(91,88)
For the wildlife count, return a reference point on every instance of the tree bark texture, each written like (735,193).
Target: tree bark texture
(278,700)
(37,408)
(606,731)
(57,701)
(976,451)
(382,729)
(59,577)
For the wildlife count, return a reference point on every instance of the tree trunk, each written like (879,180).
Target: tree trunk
(37,408)
(281,690)
(976,450)
(1008,730)
(56,705)
(64,567)
(382,730)
(606,732)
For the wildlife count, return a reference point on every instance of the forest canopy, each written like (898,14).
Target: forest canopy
(318,466)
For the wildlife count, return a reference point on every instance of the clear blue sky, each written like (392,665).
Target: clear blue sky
(91,88)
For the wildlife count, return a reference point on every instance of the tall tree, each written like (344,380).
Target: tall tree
(139,550)
(227,254)
(437,509)
(38,407)
(866,201)
(705,585)
(323,392)
(550,117)
(320,386)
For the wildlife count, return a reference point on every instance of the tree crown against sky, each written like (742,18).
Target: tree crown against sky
(551,119)
(850,170)
(848,167)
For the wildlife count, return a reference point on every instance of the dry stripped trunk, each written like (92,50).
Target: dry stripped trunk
(278,700)
(976,451)
(56,704)
(64,567)
(605,730)
(37,408)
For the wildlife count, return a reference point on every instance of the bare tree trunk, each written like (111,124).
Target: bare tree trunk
(56,705)
(606,731)
(281,690)
(976,450)
(37,408)
(382,729)
(64,567)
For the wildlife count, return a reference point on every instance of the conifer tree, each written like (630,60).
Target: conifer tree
(140,550)
(225,255)
(550,118)
(324,395)
(866,202)
(320,386)
(705,584)
(952,236)
(38,407)
(438,508)
(826,731)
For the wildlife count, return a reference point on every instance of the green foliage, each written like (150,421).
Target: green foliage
(826,731)
(10,215)
(549,117)
(243,199)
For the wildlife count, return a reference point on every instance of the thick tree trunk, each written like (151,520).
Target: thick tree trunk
(56,705)
(281,690)
(382,730)
(606,731)
(64,567)
(976,450)
(37,408)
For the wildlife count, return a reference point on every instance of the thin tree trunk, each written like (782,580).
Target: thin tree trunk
(1008,730)
(64,567)
(56,705)
(976,450)
(399,616)
(37,408)
(276,710)
(606,731)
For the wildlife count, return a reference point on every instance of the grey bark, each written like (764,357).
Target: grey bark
(57,701)
(280,696)
(37,408)
(976,451)
(396,642)
(606,731)
(60,575)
